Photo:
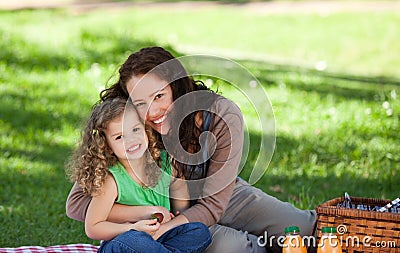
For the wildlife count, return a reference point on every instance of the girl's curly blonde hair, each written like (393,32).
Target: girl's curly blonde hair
(91,160)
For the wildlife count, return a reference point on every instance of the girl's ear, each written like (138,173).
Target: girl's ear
(108,149)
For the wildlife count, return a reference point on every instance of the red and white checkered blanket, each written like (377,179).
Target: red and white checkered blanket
(70,248)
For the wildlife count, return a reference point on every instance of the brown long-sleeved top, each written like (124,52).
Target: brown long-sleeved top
(227,128)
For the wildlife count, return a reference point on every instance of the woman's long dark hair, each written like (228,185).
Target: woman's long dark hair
(152,59)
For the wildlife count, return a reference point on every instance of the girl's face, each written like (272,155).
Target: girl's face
(152,97)
(126,136)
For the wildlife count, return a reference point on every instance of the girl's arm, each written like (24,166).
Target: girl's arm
(123,213)
(96,225)
(77,205)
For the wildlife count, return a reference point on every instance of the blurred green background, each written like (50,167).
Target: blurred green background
(331,71)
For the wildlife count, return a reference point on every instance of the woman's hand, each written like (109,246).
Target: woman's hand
(148,226)
(172,215)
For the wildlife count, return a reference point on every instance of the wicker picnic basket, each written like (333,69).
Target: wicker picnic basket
(374,231)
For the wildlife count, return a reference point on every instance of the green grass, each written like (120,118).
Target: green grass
(336,130)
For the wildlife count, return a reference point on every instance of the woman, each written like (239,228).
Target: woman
(180,109)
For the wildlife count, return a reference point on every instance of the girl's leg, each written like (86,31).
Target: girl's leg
(226,239)
(190,237)
(133,241)
(258,213)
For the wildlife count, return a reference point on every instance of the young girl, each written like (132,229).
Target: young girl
(113,164)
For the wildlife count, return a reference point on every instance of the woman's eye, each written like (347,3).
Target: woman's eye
(136,129)
(118,137)
(158,96)
(139,104)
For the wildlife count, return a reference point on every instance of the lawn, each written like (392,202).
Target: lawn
(333,82)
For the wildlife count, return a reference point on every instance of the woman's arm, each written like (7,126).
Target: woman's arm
(179,194)
(178,220)
(227,128)
(98,227)
(77,203)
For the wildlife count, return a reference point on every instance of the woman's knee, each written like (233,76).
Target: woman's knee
(199,231)
(200,228)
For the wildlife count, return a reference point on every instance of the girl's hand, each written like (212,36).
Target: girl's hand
(148,226)
(165,212)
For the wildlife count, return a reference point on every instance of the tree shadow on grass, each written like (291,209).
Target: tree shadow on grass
(32,203)
(342,85)
(24,114)
(272,74)
(287,69)
(290,173)
(81,55)
(34,125)
(28,118)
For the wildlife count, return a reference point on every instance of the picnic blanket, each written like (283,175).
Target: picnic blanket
(70,248)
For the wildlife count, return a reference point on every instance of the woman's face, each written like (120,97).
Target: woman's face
(152,97)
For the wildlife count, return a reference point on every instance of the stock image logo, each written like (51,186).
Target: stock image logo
(362,241)
(341,229)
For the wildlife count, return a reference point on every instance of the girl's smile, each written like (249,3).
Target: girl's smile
(134,148)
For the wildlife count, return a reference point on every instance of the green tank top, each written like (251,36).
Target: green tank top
(131,193)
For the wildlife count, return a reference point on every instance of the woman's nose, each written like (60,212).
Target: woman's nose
(153,110)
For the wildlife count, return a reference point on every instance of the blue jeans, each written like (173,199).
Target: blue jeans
(189,237)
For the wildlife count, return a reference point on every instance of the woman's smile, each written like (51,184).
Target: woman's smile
(152,97)
(160,120)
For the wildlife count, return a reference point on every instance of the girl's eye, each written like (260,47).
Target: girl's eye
(136,129)
(158,96)
(118,137)
(139,104)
